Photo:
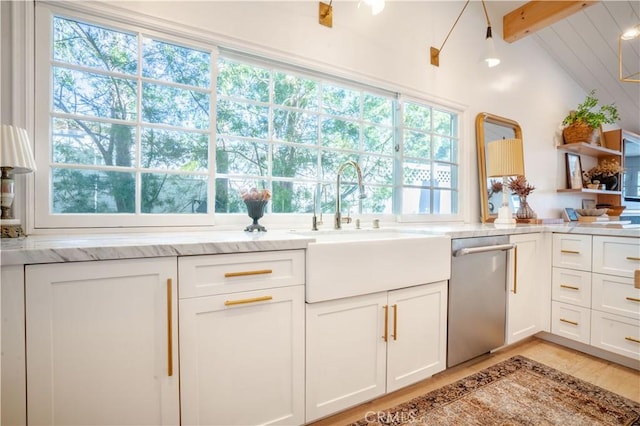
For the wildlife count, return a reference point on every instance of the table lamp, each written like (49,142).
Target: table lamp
(505,158)
(15,157)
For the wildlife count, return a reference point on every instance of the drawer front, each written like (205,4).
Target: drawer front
(616,255)
(616,334)
(231,273)
(615,295)
(572,322)
(571,286)
(572,251)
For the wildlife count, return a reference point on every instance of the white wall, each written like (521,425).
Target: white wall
(392,50)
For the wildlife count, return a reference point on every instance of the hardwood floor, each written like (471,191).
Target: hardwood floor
(616,378)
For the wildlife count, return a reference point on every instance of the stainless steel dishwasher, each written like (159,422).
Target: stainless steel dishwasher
(477,297)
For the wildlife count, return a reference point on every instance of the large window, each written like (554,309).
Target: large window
(142,126)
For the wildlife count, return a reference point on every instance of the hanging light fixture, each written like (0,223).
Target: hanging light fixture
(631,40)
(376,5)
(490,55)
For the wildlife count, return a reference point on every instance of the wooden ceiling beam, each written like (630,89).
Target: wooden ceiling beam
(536,15)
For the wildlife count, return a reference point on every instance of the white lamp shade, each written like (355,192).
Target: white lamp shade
(505,158)
(15,149)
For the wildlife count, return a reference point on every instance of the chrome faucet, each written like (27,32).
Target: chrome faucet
(337,223)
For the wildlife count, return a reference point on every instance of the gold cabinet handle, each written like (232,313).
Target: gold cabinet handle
(631,339)
(385,336)
(246,273)
(250,300)
(633,299)
(568,322)
(633,258)
(570,287)
(570,251)
(395,322)
(515,269)
(169,327)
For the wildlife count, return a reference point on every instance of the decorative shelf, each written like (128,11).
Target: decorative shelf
(588,149)
(591,191)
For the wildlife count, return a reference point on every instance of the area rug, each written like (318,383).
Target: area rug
(517,391)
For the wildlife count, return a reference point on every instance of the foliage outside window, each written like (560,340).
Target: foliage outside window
(131,133)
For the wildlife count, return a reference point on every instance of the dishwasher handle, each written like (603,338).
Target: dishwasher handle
(483,249)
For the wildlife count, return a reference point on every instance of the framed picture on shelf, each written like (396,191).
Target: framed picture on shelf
(574,171)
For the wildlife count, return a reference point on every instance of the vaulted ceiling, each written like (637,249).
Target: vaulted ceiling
(585,44)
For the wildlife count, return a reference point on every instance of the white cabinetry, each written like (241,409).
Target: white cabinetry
(527,306)
(100,343)
(361,347)
(242,338)
(594,298)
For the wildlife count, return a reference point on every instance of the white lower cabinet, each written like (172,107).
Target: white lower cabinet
(527,303)
(362,347)
(100,343)
(242,358)
(570,321)
(615,333)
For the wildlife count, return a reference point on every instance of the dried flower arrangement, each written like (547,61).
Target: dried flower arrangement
(519,186)
(606,168)
(496,187)
(255,195)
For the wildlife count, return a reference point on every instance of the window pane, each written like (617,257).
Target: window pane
(417,144)
(340,134)
(174,106)
(292,197)
(164,193)
(417,201)
(295,92)
(92,191)
(443,148)
(340,101)
(444,123)
(92,143)
(90,46)
(292,126)
(378,140)
(331,161)
(445,175)
(377,169)
(241,119)
(417,174)
(297,162)
(379,200)
(173,150)
(417,116)
(377,109)
(243,81)
(240,157)
(228,190)
(168,62)
(92,94)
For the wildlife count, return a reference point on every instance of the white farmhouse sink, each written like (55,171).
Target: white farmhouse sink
(350,263)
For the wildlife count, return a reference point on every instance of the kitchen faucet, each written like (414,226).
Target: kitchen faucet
(337,223)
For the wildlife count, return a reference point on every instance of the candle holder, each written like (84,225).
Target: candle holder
(255,210)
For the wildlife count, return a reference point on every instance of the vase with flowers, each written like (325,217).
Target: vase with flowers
(607,172)
(518,185)
(256,201)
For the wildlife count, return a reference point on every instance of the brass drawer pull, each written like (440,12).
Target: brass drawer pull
(570,251)
(385,336)
(251,300)
(395,322)
(570,287)
(633,258)
(633,299)
(246,273)
(632,339)
(568,322)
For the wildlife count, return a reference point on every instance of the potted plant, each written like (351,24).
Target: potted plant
(581,123)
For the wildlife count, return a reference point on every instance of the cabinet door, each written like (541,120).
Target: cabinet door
(346,353)
(616,255)
(572,251)
(417,341)
(570,321)
(100,344)
(242,358)
(529,289)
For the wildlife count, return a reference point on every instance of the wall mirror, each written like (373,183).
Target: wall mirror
(490,127)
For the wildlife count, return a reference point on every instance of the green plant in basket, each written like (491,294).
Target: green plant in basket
(581,122)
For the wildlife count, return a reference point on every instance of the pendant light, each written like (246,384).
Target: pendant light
(490,55)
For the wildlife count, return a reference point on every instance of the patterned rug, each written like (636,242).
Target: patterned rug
(517,391)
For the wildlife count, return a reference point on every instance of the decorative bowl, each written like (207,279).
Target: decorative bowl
(615,210)
(591,212)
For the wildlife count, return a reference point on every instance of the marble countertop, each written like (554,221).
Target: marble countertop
(85,247)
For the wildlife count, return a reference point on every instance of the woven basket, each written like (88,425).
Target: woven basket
(578,132)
